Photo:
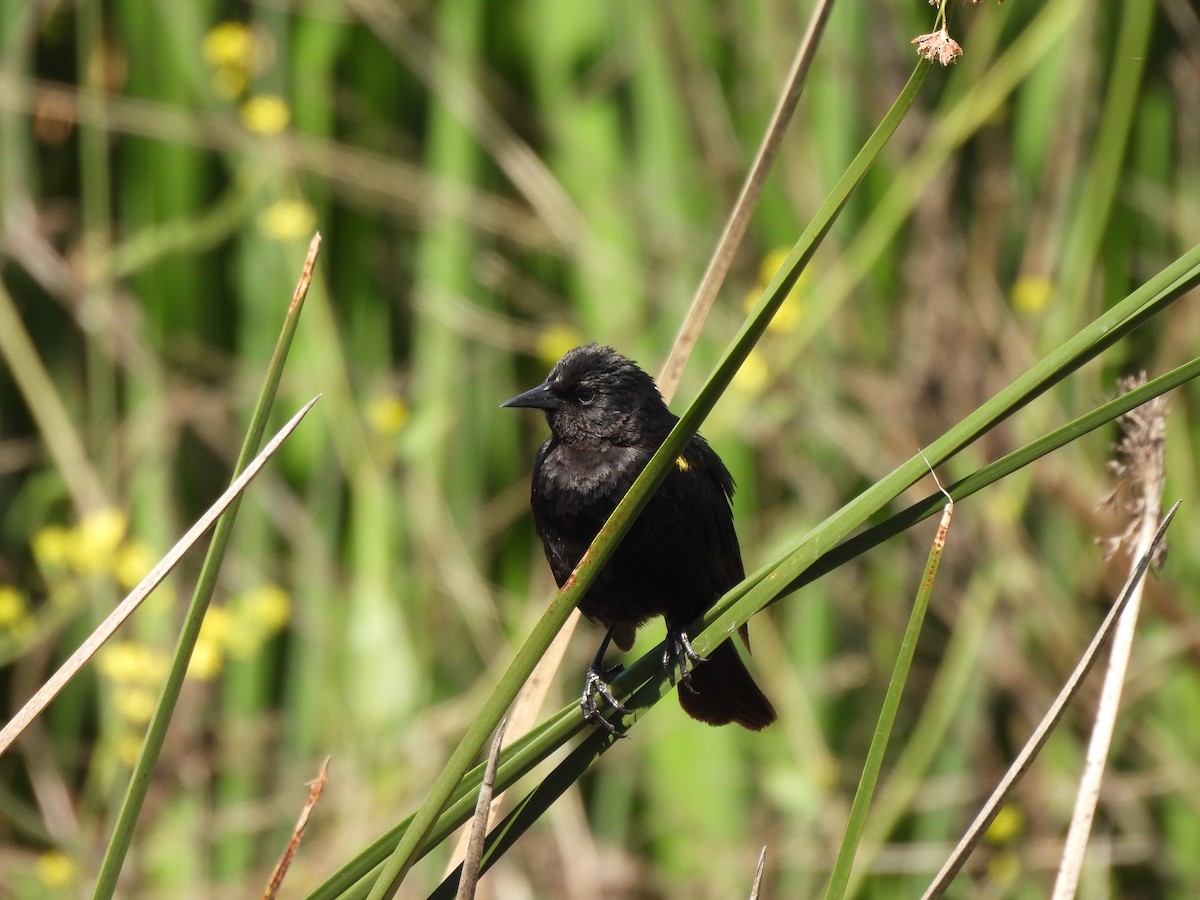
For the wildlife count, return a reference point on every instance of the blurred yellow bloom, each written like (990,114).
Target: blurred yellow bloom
(13,607)
(1003,869)
(387,414)
(770,264)
(1032,293)
(1007,825)
(56,870)
(133,662)
(269,606)
(217,625)
(244,642)
(135,704)
(788,316)
(288,220)
(229,45)
(266,114)
(133,561)
(556,340)
(207,659)
(752,376)
(129,747)
(52,546)
(94,541)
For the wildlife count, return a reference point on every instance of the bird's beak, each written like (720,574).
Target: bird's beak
(539,397)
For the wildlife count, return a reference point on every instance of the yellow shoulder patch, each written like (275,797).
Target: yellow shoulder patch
(682,464)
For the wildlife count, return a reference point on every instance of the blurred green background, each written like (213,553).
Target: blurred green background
(495,183)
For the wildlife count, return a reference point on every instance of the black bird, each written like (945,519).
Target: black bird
(606,419)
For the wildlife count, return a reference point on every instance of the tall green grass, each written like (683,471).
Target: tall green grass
(495,182)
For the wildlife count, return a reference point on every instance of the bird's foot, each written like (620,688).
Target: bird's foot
(596,684)
(678,654)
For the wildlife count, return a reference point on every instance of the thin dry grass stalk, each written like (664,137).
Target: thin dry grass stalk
(756,886)
(69,669)
(281,868)
(469,879)
(1140,468)
(1041,734)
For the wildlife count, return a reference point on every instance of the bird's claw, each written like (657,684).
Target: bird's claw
(679,654)
(596,683)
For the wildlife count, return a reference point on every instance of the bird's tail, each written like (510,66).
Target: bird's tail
(721,691)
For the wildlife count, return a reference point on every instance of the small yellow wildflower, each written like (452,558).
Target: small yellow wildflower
(387,414)
(288,220)
(216,631)
(52,547)
(120,661)
(129,748)
(207,659)
(133,662)
(787,317)
(556,340)
(1004,869)
(1032,293)
(135,704)
(266,114)
(229,45)
(95,541)
(752,376)
(13,606)
(268,606)
(56,870)
(217,624)
(1008,824)
(244,642)
(134,559)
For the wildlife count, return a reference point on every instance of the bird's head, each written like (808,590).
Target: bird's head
(595,394)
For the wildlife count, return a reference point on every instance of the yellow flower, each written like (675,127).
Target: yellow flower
(129,748)
(13,607)
(1004,869)
(119,661)
(556,340)
(217,625)
(133,561)
(387,414)
(56,870)
(266,114)
(133,662)
(288,220)
(269,606)
(229,45)
(1032,293)
(752,376)
(52,546)
(207,659)
(770,264)
(1007,825)
(94,541)
(135,704)
(217,631)
(787,317)
(244,642)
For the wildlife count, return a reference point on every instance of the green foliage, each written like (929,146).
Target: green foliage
(494,183)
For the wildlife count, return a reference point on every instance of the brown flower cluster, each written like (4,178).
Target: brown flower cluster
(938,46)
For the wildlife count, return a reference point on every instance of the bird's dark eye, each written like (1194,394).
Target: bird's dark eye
(585,396)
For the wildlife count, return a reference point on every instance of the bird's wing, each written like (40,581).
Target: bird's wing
(687,536)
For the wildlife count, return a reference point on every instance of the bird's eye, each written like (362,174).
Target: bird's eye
(585,396)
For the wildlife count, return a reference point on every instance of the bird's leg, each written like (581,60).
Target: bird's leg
(678,653)
(596,682)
